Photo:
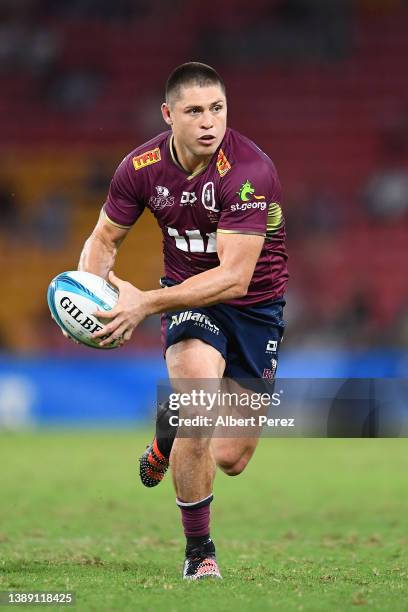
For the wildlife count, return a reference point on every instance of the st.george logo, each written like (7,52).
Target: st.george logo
(246,191)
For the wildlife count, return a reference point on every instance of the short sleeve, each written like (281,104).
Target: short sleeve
(124,203)
(247,193)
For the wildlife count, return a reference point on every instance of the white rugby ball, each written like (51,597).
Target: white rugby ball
(73,297)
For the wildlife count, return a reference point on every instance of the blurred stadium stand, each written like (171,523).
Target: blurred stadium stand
(81,83)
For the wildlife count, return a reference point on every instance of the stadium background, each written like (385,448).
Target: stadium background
(321,86)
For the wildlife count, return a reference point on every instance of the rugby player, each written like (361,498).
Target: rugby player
(217,199)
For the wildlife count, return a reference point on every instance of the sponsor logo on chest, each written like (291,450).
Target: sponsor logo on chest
(188,198)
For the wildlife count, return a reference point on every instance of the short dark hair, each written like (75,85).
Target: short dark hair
(192,73)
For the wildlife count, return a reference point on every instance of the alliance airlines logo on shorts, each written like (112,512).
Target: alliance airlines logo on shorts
(198,318)
(146,159)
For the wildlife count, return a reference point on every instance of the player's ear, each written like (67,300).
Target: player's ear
(166,113)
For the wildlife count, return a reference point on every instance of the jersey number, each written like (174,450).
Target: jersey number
(194,243)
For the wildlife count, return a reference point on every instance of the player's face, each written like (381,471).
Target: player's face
(198,118)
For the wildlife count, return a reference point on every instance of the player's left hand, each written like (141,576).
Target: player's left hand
(130,310)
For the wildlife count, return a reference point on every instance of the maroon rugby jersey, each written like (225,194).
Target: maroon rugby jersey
(239,192)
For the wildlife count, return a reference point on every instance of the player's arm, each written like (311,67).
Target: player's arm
(121,210)
(99,252)
(238,254)
(123,206)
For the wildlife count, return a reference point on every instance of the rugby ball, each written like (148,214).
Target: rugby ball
(73,297)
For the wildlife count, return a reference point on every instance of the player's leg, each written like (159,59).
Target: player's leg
(251,363)
(192,462)
(233,453)
(177,327)
(193,359)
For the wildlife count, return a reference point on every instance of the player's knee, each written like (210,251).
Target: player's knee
(233,460)
(233,467)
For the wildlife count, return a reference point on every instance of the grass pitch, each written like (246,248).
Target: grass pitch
(311,525)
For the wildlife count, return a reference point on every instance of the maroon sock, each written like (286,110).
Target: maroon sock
(196,517)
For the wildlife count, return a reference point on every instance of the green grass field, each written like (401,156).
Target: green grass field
(311,525)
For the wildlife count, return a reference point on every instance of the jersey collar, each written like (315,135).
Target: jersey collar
(174,158)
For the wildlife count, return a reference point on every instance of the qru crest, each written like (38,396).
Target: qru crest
(208,197)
